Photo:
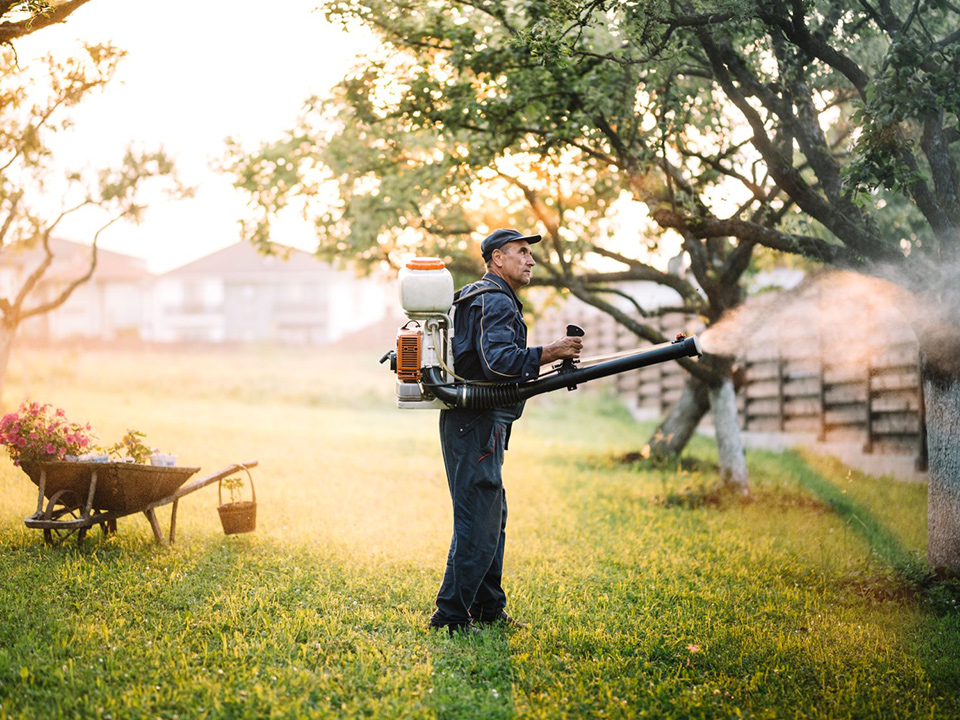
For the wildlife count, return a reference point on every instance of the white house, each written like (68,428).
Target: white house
(240,295)
(233,295)
(112,304)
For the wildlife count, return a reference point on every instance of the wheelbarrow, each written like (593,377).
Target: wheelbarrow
(81,495)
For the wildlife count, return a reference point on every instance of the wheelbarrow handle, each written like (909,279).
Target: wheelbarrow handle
(210,479)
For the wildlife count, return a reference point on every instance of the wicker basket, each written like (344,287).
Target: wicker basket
(238,517)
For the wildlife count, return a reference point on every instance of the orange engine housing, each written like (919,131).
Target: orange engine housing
(408,354)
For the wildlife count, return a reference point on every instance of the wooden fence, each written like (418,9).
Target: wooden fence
(844,373)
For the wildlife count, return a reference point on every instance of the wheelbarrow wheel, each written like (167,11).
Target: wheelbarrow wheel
(63,506)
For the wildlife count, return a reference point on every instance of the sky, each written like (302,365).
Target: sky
(195,74)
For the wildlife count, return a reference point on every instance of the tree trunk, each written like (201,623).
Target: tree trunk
(673,434)
(6,343)
(942,399)
(733,463)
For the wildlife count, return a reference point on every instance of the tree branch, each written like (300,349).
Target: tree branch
(656,312)
(649,273)
(949,40)
(77,282)
(794,26)
(533,200)
(33,278)
(808,245)
(736,264)
(10,31)
(641,330)
(715,163)
(39,124)
(859,239)
(485,8)
(14,201)
(884,17)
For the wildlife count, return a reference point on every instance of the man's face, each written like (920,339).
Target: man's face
(515,263)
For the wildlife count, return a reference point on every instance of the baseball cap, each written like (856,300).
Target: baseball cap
(499,238)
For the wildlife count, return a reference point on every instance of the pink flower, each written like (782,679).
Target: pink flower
(41,430)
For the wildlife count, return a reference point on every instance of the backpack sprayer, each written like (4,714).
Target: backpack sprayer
(423,359)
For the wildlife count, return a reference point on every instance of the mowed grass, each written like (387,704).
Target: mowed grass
(648,593)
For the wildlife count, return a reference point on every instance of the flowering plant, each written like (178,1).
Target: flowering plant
(40,432)
(132,444)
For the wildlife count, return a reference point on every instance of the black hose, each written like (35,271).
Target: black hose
(488,397)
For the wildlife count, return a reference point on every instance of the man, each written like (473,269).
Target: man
(489,344)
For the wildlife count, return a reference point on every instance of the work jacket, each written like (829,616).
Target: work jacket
(490,336)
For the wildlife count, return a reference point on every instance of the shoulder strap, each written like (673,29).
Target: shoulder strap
(460,297)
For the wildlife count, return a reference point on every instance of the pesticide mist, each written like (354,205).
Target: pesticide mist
(856,313)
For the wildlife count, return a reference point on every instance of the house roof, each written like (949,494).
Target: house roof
(71,260)
(243,259)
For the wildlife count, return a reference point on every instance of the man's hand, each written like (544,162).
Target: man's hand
(560,349)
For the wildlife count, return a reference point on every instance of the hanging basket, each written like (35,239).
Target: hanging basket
(238,517)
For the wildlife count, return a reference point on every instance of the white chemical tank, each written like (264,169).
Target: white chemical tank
(426,286)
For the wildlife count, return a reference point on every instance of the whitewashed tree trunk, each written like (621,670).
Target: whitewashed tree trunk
(733,462)
(673,434)
(942,399)
(681,422)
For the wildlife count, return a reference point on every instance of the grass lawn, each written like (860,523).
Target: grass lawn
(648,593)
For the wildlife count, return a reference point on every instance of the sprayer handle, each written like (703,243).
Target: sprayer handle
(569,364)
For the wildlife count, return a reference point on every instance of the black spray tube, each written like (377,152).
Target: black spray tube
(488,397)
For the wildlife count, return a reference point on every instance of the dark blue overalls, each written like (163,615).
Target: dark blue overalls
(490,344)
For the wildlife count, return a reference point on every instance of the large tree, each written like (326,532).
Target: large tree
(852,109)
(37,195)
(836,124)
(827,129)
(456,128)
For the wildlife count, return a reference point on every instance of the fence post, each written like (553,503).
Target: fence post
(822,435)
(745,392)
(868,381)
(923,459)
(822,366)
(661,376)
(781,403)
